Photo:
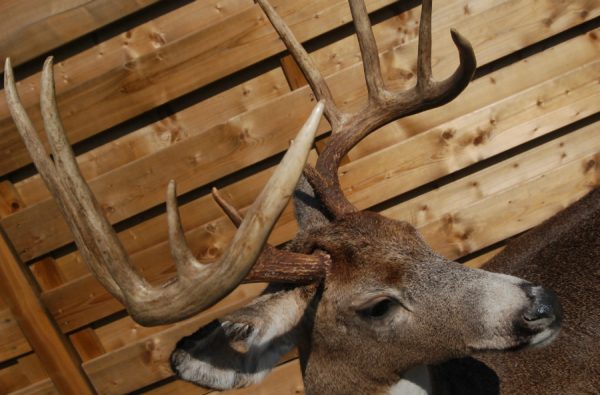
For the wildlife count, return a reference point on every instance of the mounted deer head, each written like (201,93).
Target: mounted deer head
(363,296)
(563,252)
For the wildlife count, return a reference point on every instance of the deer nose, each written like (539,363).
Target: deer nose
(545,308)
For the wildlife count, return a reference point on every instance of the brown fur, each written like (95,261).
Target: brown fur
(563,254)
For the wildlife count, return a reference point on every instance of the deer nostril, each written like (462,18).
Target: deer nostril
(545,306)
(538,312)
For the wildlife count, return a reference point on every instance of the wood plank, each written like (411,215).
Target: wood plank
(531,201)
(51,347)
(244,97)
(544,181)
(47,274)
(87,344)
(12,341)
(480,260)
(177,387)
(292,72)
(283,380)
(124,332)
(26,371)
(481,134)
(12,378)
(10,200)
(146,360)
(150,175)
(31,28)
(458,233)
(43,387)
(140,80)
(32,368)
(410,163)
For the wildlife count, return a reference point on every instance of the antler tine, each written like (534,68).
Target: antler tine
(196,286)
(232,213)
(424,48)
(309,69)
(368,50)
(49,172)
(275,265)
(85,212)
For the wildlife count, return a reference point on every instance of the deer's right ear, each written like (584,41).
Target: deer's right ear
(310,212)
(241,348)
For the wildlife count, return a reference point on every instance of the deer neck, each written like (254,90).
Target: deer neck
(326,372)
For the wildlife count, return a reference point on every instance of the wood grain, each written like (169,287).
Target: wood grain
(43,387)
(12,341)
(31,28)
(25,371)
(50,346)
(167,69)
(10,199)
(141,184)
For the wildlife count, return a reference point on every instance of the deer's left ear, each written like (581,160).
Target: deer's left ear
(241,348)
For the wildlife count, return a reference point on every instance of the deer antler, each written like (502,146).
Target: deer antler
(197,286)
(383,105)
(275,265)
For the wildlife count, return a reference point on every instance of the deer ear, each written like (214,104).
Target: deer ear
(310,212)
(241,348)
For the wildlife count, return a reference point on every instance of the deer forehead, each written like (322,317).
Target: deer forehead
(369,251)
(369,233)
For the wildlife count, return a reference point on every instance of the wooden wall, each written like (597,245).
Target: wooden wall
(195,91)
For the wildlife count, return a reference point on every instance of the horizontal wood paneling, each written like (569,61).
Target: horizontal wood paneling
(26,371)
(31,28)
(250,132)
(142,78)
(42,387)
(12,341)
(522,124)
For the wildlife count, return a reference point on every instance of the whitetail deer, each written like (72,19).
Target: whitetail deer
(363,297)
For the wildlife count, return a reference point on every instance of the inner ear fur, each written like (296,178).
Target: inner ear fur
(239,350)
(309,210)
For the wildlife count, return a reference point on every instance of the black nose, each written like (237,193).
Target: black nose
(545,308)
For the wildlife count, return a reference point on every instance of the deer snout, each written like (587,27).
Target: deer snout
(542,318)
(545,306)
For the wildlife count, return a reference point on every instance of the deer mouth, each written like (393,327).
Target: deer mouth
(545,337)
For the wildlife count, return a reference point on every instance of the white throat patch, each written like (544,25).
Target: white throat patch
(416,381)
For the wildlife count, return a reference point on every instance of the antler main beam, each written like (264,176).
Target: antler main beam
(383,106)
(196,286)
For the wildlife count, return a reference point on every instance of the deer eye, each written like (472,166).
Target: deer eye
(378,307)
